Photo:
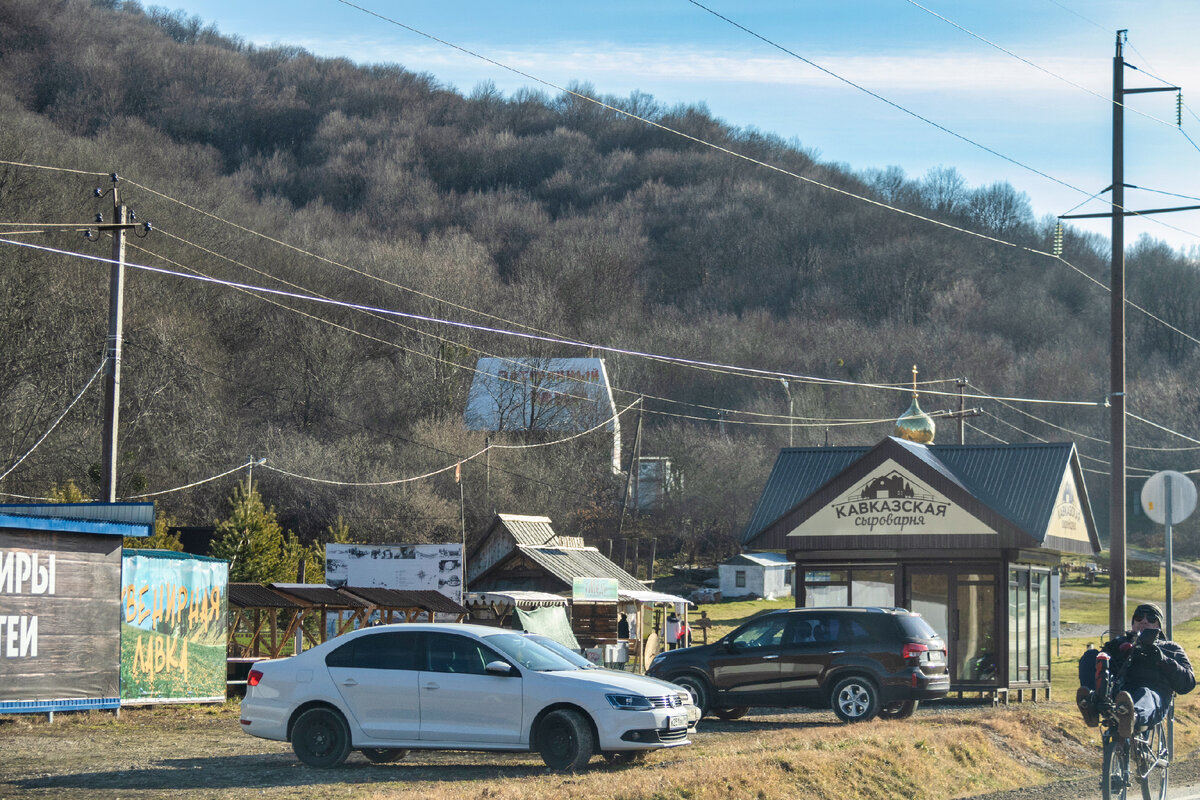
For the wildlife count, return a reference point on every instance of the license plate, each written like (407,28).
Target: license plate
(677,722)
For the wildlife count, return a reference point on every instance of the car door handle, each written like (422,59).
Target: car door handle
(765,658)
(835,652)
(431,685)
(349,682)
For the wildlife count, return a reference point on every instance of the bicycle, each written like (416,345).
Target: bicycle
(1144,757)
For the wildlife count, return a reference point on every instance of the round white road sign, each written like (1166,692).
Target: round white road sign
(1183,497)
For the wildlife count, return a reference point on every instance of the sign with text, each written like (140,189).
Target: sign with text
(890,501)
(594,590)
(173,627)
(60,635)
(1066,519)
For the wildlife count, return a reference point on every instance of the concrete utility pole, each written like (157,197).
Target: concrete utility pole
(112,355)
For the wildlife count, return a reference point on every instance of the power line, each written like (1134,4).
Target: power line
(60,418)
(748,371)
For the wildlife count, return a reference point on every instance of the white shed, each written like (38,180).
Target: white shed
(767,575)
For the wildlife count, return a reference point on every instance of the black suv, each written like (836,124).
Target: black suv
(861,662)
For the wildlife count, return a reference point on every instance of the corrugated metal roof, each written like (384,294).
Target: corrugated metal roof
(528,530)
(568,563)
(112,519)
(760,559)
(136,513)
(797,474)
(255,595)
(425,599)
(318,594)
(1018,482)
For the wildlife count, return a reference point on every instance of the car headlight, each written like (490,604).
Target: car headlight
(684,696)
(628,702)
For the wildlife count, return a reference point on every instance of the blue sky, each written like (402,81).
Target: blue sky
(1037,91)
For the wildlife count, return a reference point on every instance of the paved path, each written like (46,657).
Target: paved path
(1182,611)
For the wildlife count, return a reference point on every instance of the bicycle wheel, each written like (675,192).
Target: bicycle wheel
(1154,762)
(1114,774)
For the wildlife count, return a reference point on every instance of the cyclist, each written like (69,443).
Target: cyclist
(1159,667)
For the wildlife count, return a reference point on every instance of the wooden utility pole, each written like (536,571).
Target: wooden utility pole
(1117,618)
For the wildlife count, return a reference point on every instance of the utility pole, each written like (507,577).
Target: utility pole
(791,419)
(112,354)
(1116,370)
(962,409)
(1116,397)
(632,478)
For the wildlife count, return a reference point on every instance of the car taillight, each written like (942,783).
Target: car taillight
(254,677)
(914,650)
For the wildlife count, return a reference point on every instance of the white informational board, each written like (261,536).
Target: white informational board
(408,567)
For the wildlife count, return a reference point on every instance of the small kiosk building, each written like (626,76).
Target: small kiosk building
(969,536)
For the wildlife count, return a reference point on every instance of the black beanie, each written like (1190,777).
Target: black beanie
(1150,608)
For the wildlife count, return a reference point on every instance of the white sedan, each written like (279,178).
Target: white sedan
(393,688)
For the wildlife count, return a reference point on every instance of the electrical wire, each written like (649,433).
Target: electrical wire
(881,98)
(517,334)
(60,418)
(384,433)
(192,485)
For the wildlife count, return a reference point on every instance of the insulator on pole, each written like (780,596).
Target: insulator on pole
(1179,109)
(1058,239)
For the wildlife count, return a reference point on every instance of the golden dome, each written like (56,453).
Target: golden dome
(915,425)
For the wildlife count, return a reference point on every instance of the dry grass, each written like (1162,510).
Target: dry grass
(941,753)
(944,751)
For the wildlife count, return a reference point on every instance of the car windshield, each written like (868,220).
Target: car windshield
(564,651)
(528,653)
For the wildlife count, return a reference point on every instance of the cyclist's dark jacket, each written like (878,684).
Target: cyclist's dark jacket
(1171,674)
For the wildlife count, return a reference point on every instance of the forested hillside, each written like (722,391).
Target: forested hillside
(546,215)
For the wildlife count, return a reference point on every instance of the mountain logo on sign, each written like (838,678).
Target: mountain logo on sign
(890,501)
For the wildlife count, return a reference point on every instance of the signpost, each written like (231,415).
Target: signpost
(1169,498)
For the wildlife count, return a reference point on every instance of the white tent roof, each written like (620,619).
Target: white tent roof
(648,596)
(514,598)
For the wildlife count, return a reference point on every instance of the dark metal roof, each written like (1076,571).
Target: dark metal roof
(1020,483)
(318,595)
(424,599)
(255,595)
(568,563)
(798,473)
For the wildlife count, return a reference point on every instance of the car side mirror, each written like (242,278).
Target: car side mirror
(500,668)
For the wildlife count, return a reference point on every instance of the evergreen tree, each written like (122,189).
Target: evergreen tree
(161,539)
(257,547)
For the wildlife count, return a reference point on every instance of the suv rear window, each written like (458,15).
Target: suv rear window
(917,628)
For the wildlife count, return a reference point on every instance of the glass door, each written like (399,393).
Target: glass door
(961,607)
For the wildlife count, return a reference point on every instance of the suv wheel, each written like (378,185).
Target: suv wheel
(698,688)
(901,709)
(729,714)
(855,699)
